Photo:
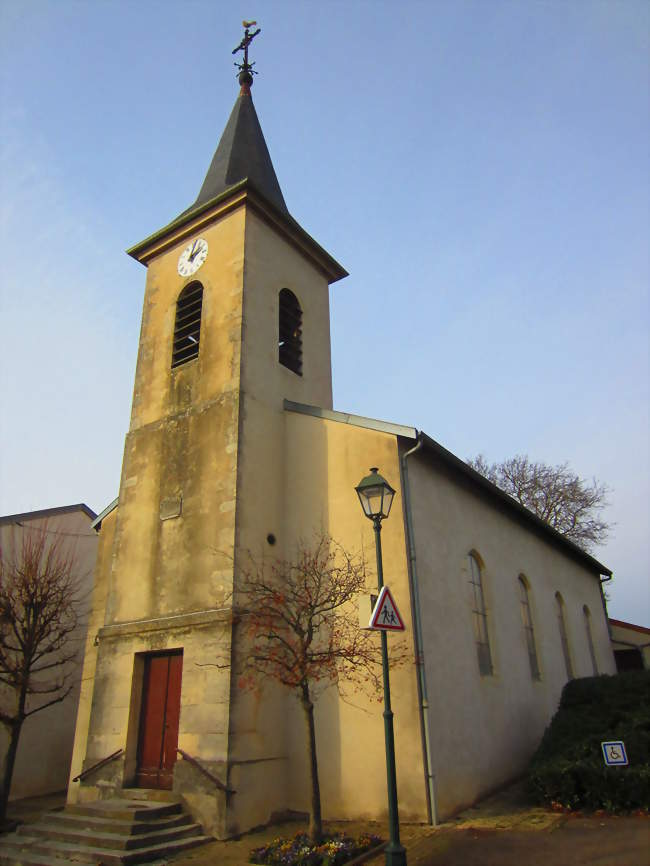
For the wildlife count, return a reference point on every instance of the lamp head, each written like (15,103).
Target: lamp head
(375,495)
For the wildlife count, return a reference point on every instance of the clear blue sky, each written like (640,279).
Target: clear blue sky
(480,168)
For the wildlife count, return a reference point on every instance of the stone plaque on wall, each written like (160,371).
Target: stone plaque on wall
(171,507)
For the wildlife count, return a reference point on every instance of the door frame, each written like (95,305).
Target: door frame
(136,711)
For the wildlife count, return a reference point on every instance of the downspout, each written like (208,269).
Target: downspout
(432,811)
(602,578)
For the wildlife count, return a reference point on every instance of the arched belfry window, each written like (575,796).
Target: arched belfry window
(290,332)
(187,329)
(479,613)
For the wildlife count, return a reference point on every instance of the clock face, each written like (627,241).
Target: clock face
(192,257)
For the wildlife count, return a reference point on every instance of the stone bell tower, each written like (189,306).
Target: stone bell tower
(235,320)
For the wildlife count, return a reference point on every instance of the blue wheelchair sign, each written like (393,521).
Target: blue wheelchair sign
(614,753)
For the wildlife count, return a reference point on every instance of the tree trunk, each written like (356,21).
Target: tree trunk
(8,763)
(315,819)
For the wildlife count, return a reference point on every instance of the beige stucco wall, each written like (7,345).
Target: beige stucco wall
(165,577)
(325,461)
(483,729)
(213,443)
(46,740)
(261,746)
(182,444)
(296,478)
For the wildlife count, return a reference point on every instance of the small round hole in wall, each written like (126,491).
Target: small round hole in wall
(271,539)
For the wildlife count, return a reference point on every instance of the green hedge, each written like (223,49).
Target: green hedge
(568,768)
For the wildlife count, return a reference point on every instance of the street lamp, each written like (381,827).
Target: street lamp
(376,497)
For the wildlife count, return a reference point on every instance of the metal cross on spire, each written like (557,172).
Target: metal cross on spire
(246,70)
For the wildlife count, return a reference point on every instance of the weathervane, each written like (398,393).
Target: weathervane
(246,70)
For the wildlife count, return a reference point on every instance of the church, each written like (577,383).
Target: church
(233,446)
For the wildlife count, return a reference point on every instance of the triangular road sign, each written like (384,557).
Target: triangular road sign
(385,616)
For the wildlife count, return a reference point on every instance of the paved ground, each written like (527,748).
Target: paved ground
(500,831)
(612,842)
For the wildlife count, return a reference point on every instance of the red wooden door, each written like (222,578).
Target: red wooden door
(161,708)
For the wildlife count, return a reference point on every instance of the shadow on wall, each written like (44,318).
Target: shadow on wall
(307,504)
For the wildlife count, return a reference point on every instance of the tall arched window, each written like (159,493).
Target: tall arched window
(564,637)
(529,632)
(590,640)
(290,332)
(479,614)
(187,328)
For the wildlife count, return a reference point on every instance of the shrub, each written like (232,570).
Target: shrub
(568,767)
(299,850)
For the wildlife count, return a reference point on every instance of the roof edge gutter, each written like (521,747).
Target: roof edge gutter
(432,811)
(515,506)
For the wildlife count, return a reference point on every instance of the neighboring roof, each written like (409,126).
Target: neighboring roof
(457,465)
(621,624)
(242,154)
(97,522)
(47,512)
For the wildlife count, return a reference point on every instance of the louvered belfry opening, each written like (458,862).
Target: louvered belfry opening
(187,331)
(290,332)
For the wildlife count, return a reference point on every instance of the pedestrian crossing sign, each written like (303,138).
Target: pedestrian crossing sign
(385,616)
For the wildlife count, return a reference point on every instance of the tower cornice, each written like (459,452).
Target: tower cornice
(242,194)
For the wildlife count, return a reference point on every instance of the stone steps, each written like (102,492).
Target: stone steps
(117,832)
(66,820)
(92,836)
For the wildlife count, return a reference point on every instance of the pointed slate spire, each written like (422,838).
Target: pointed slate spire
(242,160)
(242,154)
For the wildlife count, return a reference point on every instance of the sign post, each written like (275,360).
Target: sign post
(376,497)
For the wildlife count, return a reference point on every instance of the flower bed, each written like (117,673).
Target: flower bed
(299,850)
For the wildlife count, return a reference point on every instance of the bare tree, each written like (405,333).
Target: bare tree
(556,494)
(302,631)
(40,606)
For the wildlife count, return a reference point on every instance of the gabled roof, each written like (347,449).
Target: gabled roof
(511,504)
(47,512)
(97,522)
(620,623)
(459,467)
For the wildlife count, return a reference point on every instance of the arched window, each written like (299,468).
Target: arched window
(564,637)
(187,329)
(529,632)
(479,614)
(290,332)
(590,640)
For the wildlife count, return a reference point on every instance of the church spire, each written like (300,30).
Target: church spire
(242,153)
(241,168)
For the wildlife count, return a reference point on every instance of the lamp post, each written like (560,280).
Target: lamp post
(376,497)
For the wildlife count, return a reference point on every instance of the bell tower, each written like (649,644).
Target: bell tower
(235,320)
